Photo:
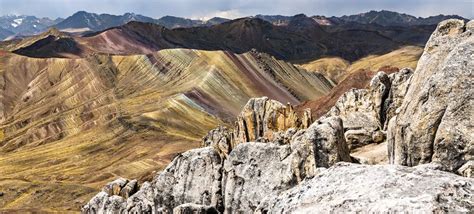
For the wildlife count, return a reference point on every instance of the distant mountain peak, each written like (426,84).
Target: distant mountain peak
(391,18)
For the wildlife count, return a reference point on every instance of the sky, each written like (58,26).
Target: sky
(204,9)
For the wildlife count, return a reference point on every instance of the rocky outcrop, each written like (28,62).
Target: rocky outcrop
(192,177)
(209,179)
(355,188)
(434,123)
(261,120)
(363,112)
(254,171)
(121,187)
(261,117)
(220,139)
(399,83)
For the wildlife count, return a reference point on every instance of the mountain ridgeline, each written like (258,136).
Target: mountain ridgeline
(82,22)
(301,39)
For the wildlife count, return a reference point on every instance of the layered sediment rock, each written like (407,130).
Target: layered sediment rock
(123,116)
(434,123)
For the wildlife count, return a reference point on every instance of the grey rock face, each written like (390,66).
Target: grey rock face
(327,137)
(353,188)
(105,203)
(363,110)
(255,170)
(399,83)
(467,170)
(321,145)
(192,177)
(434,123)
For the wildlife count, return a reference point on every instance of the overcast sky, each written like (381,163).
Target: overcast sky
(234,8)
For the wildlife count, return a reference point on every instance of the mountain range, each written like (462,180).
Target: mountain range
(85,22)
(24,25)
(273,101)
(301,39)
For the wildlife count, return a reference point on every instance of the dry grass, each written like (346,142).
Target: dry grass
(337,69)
(332,67)
(402,58)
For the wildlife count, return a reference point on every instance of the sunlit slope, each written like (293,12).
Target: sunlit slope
(337,69)
(70,125)
(405,57)
(332,67)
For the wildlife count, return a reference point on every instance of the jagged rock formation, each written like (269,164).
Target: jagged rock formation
(399,83)
(434,123)
(220,139)
(122,115)
(376,189)
(255,170)
(261,120)
(262,117)
(193,177)
(237,181)
(364,111)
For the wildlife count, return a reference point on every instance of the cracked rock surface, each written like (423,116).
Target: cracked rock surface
(434,123)
(349,187)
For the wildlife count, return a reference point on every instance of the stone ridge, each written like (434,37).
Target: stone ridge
(434,122)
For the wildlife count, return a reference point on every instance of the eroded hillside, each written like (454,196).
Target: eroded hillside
(70,125)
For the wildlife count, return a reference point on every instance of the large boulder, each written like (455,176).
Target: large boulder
(192,177)
(434,123)
(252,172)
(356,188)
(362,111)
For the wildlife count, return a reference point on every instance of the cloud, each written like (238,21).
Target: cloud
(229,14)
(234,8)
